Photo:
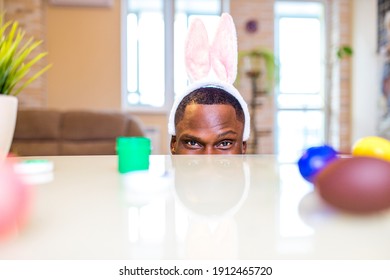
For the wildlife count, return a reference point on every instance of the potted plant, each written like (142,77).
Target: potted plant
(259,65)
(16,60)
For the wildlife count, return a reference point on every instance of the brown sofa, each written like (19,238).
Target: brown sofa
(41,132)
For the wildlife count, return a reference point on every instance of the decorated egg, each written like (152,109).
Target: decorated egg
(372,146)
(14,198)
(314,159)
(356,184)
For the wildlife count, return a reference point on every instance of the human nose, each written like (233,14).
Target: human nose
(210,150)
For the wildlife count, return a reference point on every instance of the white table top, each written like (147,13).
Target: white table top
(189,207)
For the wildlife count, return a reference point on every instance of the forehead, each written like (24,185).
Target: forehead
(209,117)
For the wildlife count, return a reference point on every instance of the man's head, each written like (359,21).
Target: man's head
(210,116)
(209,120)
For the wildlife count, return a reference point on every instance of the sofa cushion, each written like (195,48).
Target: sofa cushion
(88,125)
(37,124)
(85,147)
(134,127)
(42,131)
(35,147)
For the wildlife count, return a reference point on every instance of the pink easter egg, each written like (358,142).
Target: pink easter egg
(14,198)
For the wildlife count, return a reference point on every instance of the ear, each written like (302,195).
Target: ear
(244,145)
(197,51)
(223,51)
(173,144)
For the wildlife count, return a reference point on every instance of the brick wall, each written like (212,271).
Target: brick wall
(263,12)
(339,95)
(30,15)
(345,76)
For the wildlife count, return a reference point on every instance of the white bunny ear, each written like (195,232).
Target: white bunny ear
(197,51)
(221,57)
(223,51)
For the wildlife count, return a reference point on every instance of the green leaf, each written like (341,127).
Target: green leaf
(33,78)
(344,51)
(16,59)
(270,61)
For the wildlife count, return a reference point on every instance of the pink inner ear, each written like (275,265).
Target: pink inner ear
(197,54)
(224,50)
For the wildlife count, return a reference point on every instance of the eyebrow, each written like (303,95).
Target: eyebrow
(189,136)
(223,134)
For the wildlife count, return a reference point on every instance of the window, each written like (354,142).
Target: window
(300,97)
(152,74)
(300,106)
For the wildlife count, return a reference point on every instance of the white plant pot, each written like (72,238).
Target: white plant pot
(8,112)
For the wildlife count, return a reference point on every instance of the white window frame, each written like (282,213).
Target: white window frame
(169,15)
(323,90)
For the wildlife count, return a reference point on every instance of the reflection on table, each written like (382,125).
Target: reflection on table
(189,207)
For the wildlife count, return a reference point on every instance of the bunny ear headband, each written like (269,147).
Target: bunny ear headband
(212,65)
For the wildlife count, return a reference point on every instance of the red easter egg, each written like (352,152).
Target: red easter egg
(14,198)
(356,184)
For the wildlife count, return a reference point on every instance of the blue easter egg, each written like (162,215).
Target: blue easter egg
(314,159)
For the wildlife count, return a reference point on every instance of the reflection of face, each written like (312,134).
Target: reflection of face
(209,129)
(209,186)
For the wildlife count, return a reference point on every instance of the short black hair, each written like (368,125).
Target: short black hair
(209,96)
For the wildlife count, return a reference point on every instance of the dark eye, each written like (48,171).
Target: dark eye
(225,144)
(192,143)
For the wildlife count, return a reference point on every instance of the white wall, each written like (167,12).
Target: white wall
(366,94)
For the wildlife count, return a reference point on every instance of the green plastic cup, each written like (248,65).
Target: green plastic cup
(133,153)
